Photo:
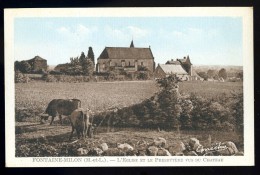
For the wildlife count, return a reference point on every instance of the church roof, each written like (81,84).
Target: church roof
(173,69)
(126,53)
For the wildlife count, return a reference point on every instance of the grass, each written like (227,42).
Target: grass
(95,96)
(210,89)
(101,96)
(104,95)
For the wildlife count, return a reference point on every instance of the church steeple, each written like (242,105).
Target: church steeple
(132,44)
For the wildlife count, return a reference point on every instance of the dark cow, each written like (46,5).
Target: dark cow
(79,120)
(62,107)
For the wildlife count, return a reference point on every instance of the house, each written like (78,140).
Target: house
(181,67)
(128,59)
(164,70)
(62,67)
(38,64)
(187,66)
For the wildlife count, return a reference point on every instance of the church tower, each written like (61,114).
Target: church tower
(132,44)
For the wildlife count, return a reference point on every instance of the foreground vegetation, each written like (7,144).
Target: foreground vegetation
(214,106)
(43,140)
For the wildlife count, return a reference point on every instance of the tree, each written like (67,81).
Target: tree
(186,117)
(203,75)
(74,61)
(87,67)
(91,55)
(24,67)
(211,73)
(222,73)
(168,99)
(17,65)
(82,58)
(239,75)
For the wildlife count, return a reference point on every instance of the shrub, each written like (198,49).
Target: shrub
(49,78)
(142,75)
(21,78)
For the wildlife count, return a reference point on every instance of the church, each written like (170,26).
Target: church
(128,59)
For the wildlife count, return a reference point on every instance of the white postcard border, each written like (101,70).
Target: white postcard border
(245,12)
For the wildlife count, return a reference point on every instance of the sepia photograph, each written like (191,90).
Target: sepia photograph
(129,87)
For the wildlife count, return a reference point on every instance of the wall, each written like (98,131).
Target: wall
(104,64)
(159,73)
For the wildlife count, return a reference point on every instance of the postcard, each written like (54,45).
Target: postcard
(129,87)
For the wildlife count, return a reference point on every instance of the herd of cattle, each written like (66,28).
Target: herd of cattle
(79,118)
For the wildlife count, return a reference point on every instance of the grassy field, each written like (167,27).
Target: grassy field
(95,96)
(210,89)
(104,95)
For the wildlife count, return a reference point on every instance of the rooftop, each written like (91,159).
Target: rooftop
(173,69)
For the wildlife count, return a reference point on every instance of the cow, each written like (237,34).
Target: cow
(62,107)
(79,120)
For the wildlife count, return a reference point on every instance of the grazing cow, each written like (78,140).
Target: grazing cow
(79,120)
(62,107)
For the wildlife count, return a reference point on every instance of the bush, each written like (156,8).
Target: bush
(21,78)
(49,78)
(142,75)
(25,115)
(170,110)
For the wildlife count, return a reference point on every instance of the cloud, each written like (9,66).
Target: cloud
(138,32)
(115,33)
(126,33)
(77,32)
(178,34)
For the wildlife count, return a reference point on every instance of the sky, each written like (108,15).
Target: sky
(207,40)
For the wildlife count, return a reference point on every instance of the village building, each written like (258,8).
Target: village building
(164,70)
(37,64)
(181,67)
(62,67)
(128,59)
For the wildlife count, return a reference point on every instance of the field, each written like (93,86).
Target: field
(104,95)
(210,89)
(101,96)
(95,96)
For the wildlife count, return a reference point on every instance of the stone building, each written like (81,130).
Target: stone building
(38,64)
(128,59)
(164,70)
(181,67)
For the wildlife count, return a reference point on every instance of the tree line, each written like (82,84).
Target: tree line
(222,73)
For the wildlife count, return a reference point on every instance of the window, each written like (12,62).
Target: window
(123,63)
(129,63)
(142,63)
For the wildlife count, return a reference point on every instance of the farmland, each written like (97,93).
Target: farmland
(96,96)
(104,95)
